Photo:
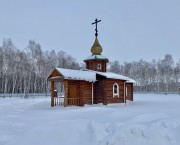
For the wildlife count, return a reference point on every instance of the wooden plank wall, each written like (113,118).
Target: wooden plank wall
(92,65)
(65,92)
(52,93)
(129,95)
(81,90)
(103,91)
(87,93)
(109,91)
(73,89)
(98,92)
(73,93)
(81,93)
(54,73)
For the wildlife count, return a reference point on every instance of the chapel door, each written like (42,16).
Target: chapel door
(72,91)
(72,97)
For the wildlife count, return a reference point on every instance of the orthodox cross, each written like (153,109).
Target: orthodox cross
(96,21)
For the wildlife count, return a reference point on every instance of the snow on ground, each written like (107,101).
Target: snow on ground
(150,120)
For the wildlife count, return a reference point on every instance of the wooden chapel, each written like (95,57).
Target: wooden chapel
(92,85)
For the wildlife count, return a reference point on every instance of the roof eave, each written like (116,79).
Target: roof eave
(96,59)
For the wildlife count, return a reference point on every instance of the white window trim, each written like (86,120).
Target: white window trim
(99,67)
(126,91)
(116,94)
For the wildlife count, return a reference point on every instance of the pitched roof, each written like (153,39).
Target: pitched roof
(90,75)
(77,74)
(131,81)
(111,75)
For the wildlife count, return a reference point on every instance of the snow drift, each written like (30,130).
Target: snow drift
(150,120)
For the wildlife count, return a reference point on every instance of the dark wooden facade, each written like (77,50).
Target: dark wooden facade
(109,91)
(76,92)
(103,91)
(80,90)
(93,65)
(129,91)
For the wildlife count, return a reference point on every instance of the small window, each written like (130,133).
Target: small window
(99,67)
(115,90)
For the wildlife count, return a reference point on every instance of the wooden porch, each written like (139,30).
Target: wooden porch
(60,101)
(65,100)
(70,97)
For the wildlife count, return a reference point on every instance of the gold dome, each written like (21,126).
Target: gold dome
(96,48)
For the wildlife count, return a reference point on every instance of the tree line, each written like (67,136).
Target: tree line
(161,76)
(26,70)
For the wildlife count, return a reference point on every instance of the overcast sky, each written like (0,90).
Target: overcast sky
(129,30)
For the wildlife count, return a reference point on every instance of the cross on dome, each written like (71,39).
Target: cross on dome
(96,21)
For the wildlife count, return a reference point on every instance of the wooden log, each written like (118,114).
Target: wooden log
(104,92)
(52,93)
(65,93)
(82,97)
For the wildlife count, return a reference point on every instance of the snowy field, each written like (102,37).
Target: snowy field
(150,120)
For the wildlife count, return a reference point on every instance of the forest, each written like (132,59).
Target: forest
(26,70)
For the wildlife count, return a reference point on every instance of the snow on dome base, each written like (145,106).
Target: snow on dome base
(96,57)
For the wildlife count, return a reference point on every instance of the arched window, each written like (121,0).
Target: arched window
(99,67)
(126,91)
(115,90)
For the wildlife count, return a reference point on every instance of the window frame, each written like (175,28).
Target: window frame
(99,66)
(117,89)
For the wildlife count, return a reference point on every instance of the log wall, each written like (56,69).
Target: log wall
(78,93)
(98,92)
(103,91)
(92,65)
(52,93)
(81,90)
(109,91)
(87,93)
(129,94)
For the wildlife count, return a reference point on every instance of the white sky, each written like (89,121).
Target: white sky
(129,30)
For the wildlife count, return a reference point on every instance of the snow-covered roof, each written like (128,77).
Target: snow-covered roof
(77,74)
(112,75)
(89,75)
(131,81)
(96,57)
